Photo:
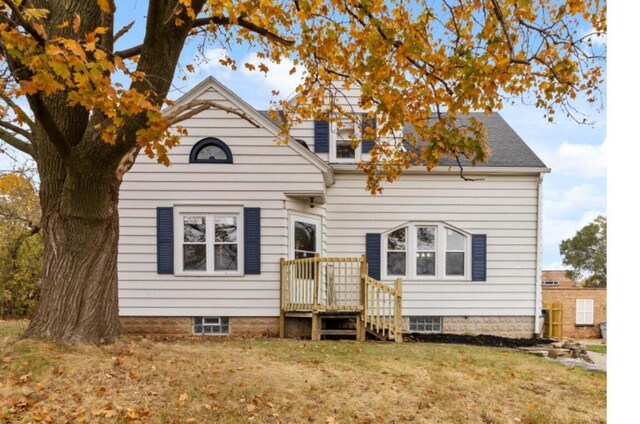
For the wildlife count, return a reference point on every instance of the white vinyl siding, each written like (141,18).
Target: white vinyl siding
(584,311)
(260,176)
(504,207)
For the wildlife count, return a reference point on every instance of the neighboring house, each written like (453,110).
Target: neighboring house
(583,308)
(201,241)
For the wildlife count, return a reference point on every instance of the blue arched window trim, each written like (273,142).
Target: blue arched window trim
(210,141)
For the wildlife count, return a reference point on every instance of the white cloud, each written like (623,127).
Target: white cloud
(255,86)
(596,38)
(277,78)
(558,203)
(556,230)
(580,160)
(553,266)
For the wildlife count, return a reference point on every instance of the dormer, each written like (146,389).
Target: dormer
(337,138)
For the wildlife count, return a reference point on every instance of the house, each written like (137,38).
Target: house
(583,308)
(242,235)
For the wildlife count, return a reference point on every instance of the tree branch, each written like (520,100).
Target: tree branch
(223,20)
(16,143)
(505,30)
(122,31)
(130,52)
(15,12)
(18,110)
(218,20)
(49,125)
(16,129)
(194,107)
(464,178)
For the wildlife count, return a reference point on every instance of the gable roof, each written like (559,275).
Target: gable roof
(258,117)
(507,148)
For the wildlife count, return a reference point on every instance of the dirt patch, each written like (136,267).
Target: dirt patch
(481,340)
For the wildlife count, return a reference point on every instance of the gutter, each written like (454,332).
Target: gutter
(452,170)
(537,331)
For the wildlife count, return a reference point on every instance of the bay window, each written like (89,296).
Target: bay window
(426,251)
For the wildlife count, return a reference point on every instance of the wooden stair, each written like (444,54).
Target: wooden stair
(337,325)
(340,297)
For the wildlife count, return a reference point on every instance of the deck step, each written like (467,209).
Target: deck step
(338,332)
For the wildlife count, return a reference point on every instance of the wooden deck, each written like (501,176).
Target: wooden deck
(328,288)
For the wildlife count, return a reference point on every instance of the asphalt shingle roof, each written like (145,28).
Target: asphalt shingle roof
(507,148)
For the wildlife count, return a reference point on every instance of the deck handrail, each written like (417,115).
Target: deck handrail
(329,284)
(321,284)
(383,307)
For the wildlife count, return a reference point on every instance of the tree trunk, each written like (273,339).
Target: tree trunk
(79,293)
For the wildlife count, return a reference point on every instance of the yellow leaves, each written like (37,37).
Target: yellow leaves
(32,14)
(263,68)
(105,5)
(76,23)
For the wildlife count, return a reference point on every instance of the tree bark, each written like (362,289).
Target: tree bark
(79,293)
(80,182)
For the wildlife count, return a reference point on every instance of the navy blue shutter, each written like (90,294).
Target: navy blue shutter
(367,144)
(373,254)
(479,257)
(321,136)
(164,239)
(252,240)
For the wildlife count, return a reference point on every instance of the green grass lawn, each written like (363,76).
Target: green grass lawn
(597,348)
(207,380)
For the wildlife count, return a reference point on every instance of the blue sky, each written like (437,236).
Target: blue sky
(574,193)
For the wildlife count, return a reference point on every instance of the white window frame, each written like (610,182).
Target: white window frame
(440,253)
(333,140)
(209,212)
(308,219)
(584,311)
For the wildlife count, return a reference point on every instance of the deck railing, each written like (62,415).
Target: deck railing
(383,308)
(317,283)
(341,284)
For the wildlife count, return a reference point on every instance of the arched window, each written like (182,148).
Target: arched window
(210,150)
(431,250)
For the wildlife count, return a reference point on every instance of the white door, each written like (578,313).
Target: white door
(305,236)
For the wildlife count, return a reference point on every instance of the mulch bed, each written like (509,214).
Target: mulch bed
(481,340)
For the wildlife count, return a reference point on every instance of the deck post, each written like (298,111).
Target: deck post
(315,334)
(316,280)
(397,313)
(282,297)
(361,323)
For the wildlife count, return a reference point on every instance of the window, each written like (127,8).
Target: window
(550,283)
(426,251)
(211,325)
(343,133)
(210,150)
(208,242)
(397,252)
(455,252)
(584,311)
(425,324)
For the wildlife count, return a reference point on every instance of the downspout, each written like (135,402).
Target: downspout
(538,295)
